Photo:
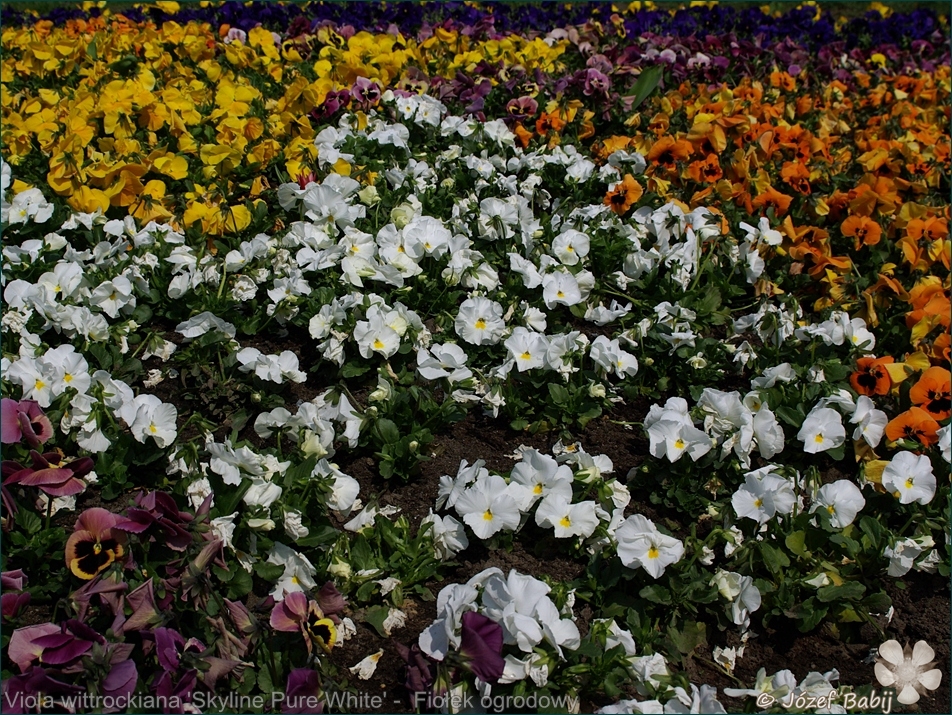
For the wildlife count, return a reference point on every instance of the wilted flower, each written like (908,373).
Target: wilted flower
(157,513)
(303,693)
(481,642)
(50,474)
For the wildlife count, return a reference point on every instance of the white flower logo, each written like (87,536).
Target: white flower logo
(907,670)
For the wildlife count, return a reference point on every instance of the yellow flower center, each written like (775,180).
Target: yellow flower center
(560,294)
(480,324)
(67,378)
(679,443)
(526,355)
(39,385)
(653,553)
(537,489)
(819,438)
(487,515)
(909,483)
(831,509)
(758,503)
(565,521)
(378,345)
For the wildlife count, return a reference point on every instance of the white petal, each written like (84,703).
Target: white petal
(922,653)
(931,679)
(884,675)
(908,696)
(892,652)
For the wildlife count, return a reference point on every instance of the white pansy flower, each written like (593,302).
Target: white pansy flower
(842,500)
(641,544)
(822,430)
(910,478)
(479,321)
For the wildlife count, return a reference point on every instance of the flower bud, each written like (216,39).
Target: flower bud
(369,196)
(340,570)
(596,391)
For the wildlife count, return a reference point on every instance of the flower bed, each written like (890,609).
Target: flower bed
(531,357)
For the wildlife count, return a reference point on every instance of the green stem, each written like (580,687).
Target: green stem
(722,670)
(624,423)
(221,285)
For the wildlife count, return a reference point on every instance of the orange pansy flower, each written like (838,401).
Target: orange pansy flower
(863,230)
(933,392)
(707,171)
(932,228)
(871,376)
(942,348)
(667,151)
(549,122)
(915,424)
(772,197)
(624,195)
(797,176)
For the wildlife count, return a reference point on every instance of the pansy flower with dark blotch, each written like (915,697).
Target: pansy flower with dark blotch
(24,420)
(95,544)
(932,393)
(297,613)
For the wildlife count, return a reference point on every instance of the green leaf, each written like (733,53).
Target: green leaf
(102,355)
(354,370)
(224,575)
(376,616)
(810,615)
(796,543)
(791,417)
(264,680)
(775,559)
(29,521)
(709,302)
(240,584)
(656,594)
(269,572)
(319,537)
(851,590)
(872,528)
(387,431)
(837,453)
(648,80)
(559,394)
(692,637)
(877,602)
(299,472)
